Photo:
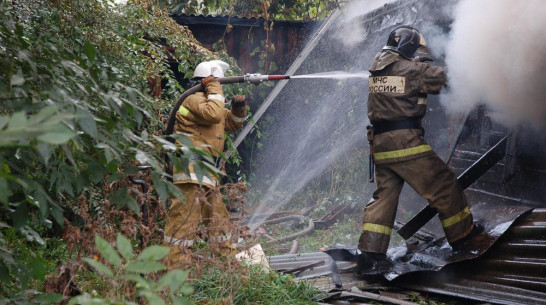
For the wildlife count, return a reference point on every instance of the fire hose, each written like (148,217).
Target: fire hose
(310,227)
(247,78)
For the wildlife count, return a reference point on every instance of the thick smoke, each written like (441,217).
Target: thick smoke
(497,56)
(352,33)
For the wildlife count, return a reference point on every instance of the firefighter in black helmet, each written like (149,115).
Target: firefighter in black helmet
(397,101)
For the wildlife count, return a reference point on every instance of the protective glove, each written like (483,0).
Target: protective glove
(207,80)
(238,101)
(211,86)
(424,58)
(238,106)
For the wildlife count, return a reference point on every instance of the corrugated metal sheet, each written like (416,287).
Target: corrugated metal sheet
(513,271)
(217,20)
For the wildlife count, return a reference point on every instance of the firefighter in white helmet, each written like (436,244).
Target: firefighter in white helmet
(205,118)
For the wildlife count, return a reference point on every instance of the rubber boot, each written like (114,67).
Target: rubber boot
(461,244)
(372,263)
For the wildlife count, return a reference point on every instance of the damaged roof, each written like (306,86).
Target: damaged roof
(233,20)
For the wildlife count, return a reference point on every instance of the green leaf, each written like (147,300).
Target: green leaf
(108,151)
(4,272)
(3,121)
(173,279)
(88,124)
(41,200)
(186,289)
(175,191)
(38,268)
(154,299)
(200,171)
(95,171)
(43,114)
(32,235)
(123,199)
(48,298)
(89,51)
(113,167)
(142,283)
(115,177)
(100,267)
(185,140)
(145,267)
(132,93)
(4,190)
(153,253)
(20,216)
(18,78)
(124,247)
(160,187)
(145,158)
(45,151)
(17,121)
(107,251)
(57,213)
(66,183)
(132,205)
(59,134)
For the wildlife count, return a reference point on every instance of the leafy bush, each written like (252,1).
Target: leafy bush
(77,118)
(127,269)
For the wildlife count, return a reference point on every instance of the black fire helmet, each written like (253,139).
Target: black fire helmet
(406,40)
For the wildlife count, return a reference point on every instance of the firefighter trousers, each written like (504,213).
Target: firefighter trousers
(201,218)
(431,178)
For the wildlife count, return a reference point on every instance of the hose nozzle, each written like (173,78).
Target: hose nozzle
(258,78)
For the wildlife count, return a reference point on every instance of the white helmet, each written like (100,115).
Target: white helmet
(215,68)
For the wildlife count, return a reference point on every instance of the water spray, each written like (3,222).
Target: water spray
(255,79)
(339,75)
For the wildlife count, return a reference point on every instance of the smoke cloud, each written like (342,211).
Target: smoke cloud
(352,33)
(497,56)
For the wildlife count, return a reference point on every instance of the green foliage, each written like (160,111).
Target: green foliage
(255,287)
(126,269)
(29,264)
(276,9)
(76,115)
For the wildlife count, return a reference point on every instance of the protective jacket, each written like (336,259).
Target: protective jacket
(398,90)
(204,117)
